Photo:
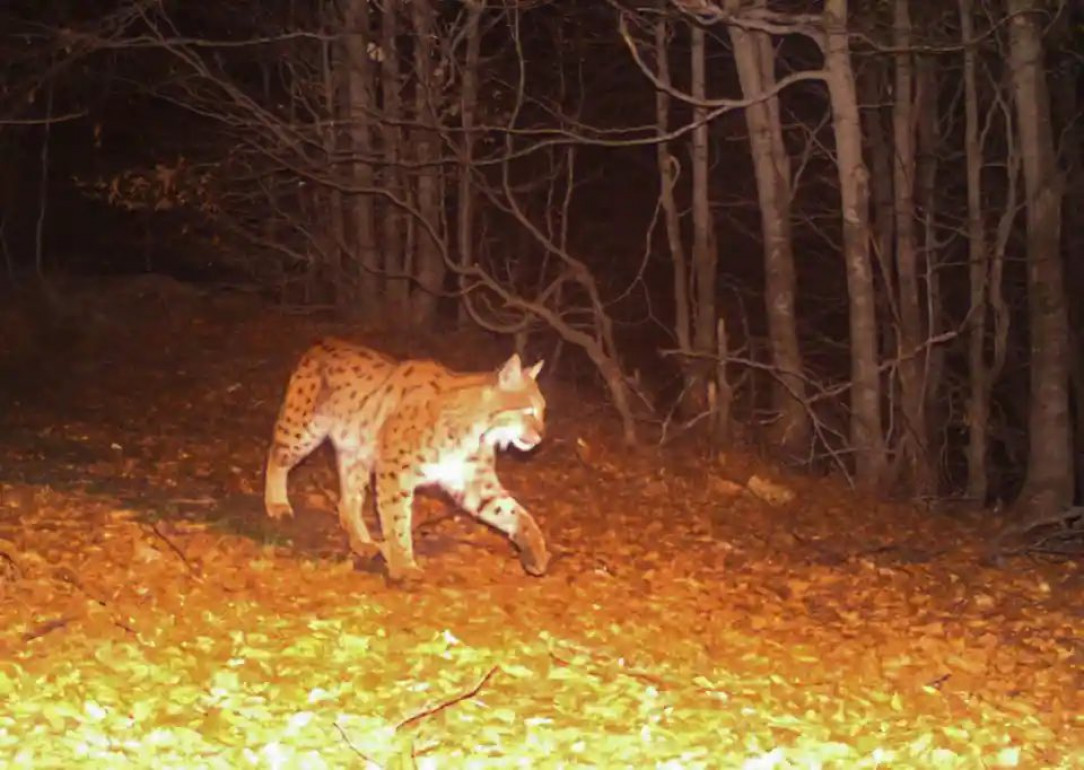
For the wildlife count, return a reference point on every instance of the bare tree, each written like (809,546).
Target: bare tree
(978,408)
(669,172)
(360,95)
(394,246)
(429,269)
(1069,119)
(937,325)
(468,106)
(866,430)
(913,444)
(1049,482)
(328,201)
(755,60)
(986,261)
(705,257)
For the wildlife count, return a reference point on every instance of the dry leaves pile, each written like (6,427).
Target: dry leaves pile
(691,619)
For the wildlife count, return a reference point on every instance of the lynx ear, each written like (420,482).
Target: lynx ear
(535,370)
(510,374)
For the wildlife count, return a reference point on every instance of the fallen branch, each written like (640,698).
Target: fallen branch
(9,568)
(431,710)
(350,744)
(47,627)
(68,576)
(1066,526)
(193,569)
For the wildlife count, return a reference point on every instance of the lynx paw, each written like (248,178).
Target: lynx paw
(279,510)
(532,550)
(406,577)
(364,548)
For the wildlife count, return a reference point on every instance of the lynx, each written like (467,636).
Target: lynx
(411,424)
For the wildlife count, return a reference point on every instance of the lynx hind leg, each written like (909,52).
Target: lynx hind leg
(298,431)
(354,472)
(280,461)
(276,500)
(395,502)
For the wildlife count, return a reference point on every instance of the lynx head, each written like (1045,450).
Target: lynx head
(517,408)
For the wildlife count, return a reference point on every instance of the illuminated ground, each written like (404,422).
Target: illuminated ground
(151,617)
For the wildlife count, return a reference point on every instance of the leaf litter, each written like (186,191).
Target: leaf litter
(152,618)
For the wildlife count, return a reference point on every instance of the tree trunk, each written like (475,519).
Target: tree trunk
(393,249)
(867,438)
(756,70)
(979,380)
(335,263)
(667,181)
(429,267)
(467,107)
(358,73)
(1049,482)
(1067,106)
(704,256)
(935,411)
(874,92)
(914,442)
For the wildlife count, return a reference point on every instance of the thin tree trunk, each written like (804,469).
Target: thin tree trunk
(467,108)
(667,181)
(871,83)
(1011,204)
(429,268)
(978,407)
(43,186)
(335,275)
(394,226)
(1049,482)
(1067,106)
(358,74)
(867,438)
(935,408)
(913,440)
(271,225)
(756,71)
(704,257)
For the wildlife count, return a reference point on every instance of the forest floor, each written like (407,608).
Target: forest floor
(151,616)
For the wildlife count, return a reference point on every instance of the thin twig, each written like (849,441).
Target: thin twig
(11,567)
(350,744)
(47,627)
(429,711)
(68,576)
(176,549)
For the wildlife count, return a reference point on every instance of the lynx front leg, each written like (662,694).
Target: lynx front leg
(395,503)
(485,498)
(354,471)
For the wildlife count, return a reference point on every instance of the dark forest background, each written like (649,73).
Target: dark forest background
(849,233)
